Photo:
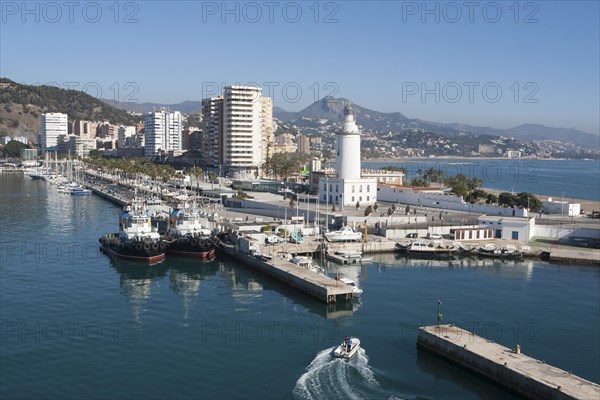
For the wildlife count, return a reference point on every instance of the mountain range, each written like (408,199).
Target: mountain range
(23,104)
(332,108)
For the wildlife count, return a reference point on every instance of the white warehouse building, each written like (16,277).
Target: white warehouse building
(509,228)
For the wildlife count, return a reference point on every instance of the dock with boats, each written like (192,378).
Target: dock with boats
(508,368)
(319,286)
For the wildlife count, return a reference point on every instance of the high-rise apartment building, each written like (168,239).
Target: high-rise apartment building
(162,132)
(125,132)
(211,140)
(52,126)
(242,128)
(237,129)
(267,121)
(303,144)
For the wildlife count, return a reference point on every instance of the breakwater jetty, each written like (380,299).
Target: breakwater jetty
(517,372)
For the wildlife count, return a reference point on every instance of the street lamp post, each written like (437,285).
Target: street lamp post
(439,316)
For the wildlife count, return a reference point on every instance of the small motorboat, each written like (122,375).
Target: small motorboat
(356,291)
(347,349)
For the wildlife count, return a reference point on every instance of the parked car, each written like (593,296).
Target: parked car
(433,236)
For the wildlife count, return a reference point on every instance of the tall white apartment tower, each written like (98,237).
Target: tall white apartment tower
(243,128)
(52,126)
(162,132)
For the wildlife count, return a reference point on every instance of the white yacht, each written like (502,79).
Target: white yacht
(345,234)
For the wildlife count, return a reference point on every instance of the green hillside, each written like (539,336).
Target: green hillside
(22,106)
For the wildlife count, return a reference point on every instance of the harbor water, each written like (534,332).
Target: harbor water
(75,324)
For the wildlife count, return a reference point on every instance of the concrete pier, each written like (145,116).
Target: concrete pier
(521,374)
(319,286)
(107,196)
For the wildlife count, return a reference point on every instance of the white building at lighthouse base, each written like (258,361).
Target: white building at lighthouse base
(347,192)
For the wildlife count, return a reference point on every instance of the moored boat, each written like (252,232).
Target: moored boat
(433,248)
(345,234)
(135,241)
(80,191)
(490,250)
(186,236)
(306,262)
(356,291)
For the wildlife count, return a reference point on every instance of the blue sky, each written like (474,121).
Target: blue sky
(498,64)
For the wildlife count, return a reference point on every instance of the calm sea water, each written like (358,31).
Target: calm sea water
(577,179)
(76,325)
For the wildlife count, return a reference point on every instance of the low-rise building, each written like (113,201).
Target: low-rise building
(561,207)
(508,228)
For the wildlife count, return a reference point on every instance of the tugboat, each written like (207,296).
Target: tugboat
(186,236)
(135,241)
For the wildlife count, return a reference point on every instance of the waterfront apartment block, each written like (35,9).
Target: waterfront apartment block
(52,126)
(237,129)
(162,132)
(242,128)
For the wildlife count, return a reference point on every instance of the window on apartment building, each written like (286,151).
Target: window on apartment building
(353,198)
(368,188)
(360,188)
(337,188)
(353,188)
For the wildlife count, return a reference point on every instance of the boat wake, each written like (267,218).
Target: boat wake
(330,377)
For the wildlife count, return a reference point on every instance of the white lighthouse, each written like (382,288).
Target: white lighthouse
(347,147)
(348,187)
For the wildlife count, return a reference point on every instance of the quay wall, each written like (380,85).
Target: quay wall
(528,381)
(109,197)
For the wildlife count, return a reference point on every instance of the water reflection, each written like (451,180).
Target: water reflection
(515,269)
(444,371)
(135,281)
(185,277)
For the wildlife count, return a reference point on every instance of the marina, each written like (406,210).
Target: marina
(218,308)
